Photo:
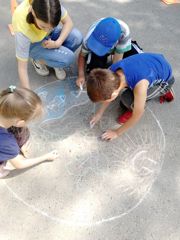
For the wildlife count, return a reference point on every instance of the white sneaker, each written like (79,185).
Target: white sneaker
(41,69)
(3,172)
(60,73)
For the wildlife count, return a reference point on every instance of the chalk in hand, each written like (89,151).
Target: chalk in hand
(81,87)
(92,125)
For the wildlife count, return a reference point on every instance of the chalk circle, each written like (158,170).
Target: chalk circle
(92,181)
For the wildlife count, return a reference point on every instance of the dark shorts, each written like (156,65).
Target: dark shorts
(127,95)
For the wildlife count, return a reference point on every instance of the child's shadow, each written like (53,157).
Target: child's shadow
(16,172)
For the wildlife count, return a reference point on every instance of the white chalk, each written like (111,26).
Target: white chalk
(92,125)
(81,87)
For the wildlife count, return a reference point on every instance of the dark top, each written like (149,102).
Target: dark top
(8,145)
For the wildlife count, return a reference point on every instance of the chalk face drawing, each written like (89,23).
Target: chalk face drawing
(59,97)
(93,181)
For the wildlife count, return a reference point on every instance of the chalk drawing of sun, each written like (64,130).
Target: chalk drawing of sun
(93,181)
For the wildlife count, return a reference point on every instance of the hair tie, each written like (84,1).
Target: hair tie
(11,88)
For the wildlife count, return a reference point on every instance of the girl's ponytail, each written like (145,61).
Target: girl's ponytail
(30,18)
(20,103)
(48,11)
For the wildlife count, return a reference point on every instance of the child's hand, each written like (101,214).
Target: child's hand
(95,119)
(49,44)
(52,155)
(80,81)
(109,135)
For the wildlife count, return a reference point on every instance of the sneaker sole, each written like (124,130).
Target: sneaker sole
(173,93)
(61,79)
(4,174)
(39,73)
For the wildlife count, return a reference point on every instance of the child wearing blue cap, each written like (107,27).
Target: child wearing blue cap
(137,79)
(106,37)
(17,107)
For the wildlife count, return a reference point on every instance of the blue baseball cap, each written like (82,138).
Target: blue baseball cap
(105,35)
